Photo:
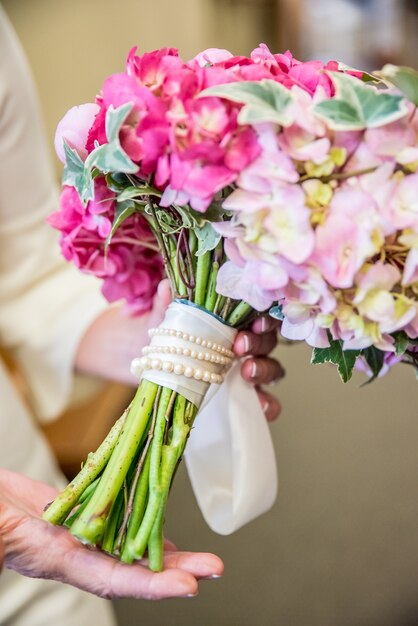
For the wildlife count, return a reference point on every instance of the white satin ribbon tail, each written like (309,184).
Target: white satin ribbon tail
(230,456)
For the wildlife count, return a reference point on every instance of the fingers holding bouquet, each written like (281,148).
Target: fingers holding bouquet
(258,368)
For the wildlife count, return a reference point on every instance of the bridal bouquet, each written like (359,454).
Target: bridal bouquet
(255,184)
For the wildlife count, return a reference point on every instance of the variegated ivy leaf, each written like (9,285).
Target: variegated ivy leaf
(110,157)
(357,105)
(74,173)
(404,78)
(366,77)
(123,211)
(208,238)
(264,100)
(343,359)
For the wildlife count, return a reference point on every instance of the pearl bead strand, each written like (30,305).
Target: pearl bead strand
(200,341)
(146,363)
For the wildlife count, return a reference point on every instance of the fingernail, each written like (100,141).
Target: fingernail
(213,577)
(253,369)
(246,343)
(190,595)
(263,324)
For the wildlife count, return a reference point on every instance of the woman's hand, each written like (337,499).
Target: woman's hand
(37,549)
(258,368)
(114,339)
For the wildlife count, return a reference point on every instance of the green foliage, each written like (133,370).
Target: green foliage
(123,211)
(264,101)
(208,238)
(404,78)
(401,342)
(109,157)
(375,359)
(75,174)
(343,359)
(357,105)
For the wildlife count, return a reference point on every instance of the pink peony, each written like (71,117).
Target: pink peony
(74,128)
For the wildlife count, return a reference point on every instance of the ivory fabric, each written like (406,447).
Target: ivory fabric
(194,321)
(45,307)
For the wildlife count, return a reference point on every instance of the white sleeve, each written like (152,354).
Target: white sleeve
(45,303)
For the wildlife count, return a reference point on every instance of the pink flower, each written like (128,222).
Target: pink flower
(341,248)
(212,56)
(74,128)
(129,272)
(255,282)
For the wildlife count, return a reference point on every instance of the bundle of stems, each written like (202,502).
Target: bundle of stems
(117,501)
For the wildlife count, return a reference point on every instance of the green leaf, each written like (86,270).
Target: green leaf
(110,157)
(264,101)
(366,77)
(122,212)
(208,238)
(357,105)
(343,359)
(276,312)
(136,192)
(115,119)
(404,78)
(401,342)
(117,182)
(73,168)
(375,359)
(214,213)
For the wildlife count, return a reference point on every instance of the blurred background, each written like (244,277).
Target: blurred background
(340,546)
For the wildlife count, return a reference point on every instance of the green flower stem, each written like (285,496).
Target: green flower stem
(138,546)
(89,491)
(226,308)
(138,470)
(183,416)
(203,267)
(156,229)
(71,518)
(211,295)
(111,524)
(156,542)
(193,243)
(89,527)
(239,313)
(58,510)
(138,509)
(171,245)
(220,301)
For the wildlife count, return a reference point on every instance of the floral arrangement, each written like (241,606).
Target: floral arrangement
(256,184)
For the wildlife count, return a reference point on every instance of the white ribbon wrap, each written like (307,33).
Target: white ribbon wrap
(229,456)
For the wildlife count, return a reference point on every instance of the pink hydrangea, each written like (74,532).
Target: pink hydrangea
(129,272)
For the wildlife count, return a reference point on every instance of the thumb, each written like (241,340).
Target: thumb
(161,301)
